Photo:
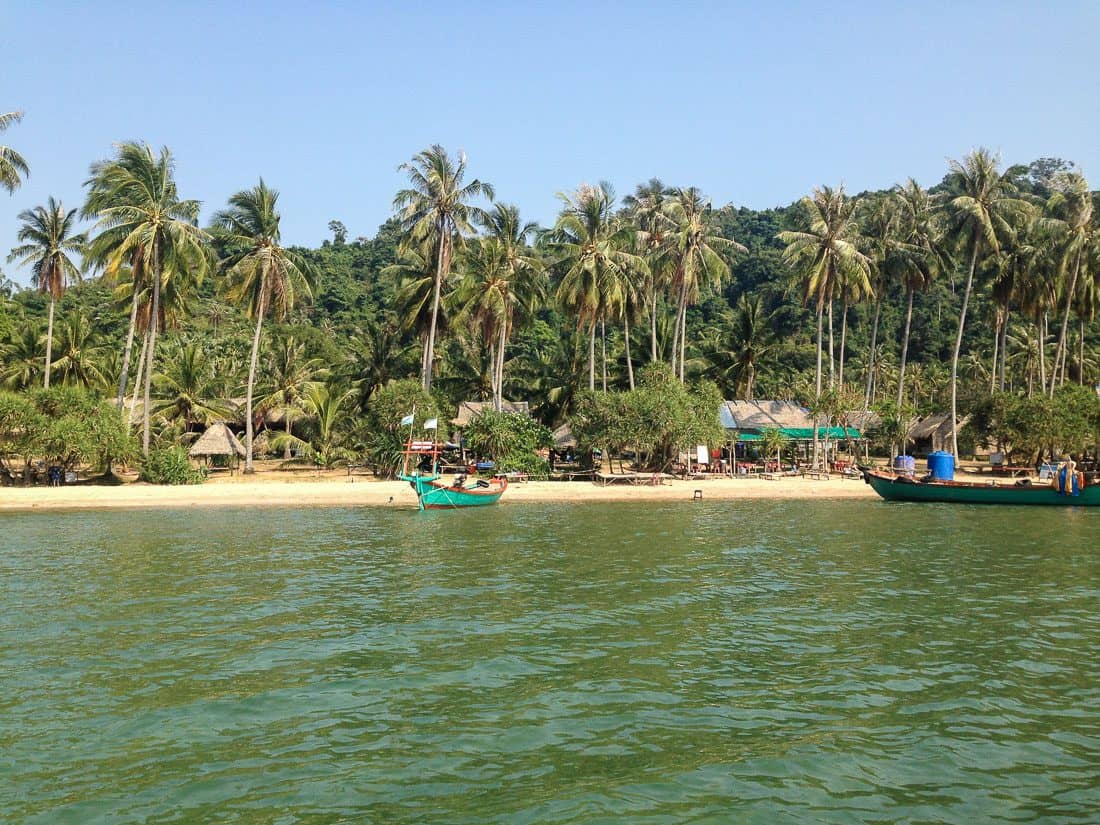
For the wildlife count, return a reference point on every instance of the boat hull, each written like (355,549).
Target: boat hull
(434,495)
(897,488)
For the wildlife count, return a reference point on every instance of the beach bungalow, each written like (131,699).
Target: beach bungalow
(469,410)
(932,433)
(746,421)
(218,441)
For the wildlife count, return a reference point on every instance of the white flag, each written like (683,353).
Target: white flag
(408,419)
(431,424)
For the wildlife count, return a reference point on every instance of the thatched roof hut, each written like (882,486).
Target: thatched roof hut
(764,415)
(218,440)
(933,432)
(469,410)
(564,438)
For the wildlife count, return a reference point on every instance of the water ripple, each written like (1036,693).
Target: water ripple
(745,661)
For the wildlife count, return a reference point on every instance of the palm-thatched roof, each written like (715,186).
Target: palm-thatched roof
(217,440)
(764,415)
(935,428)
(564,438)
(469,410)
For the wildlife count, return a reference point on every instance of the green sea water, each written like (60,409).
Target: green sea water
(764,662)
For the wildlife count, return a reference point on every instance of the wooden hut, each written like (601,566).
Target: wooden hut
(218,440)
(933,432)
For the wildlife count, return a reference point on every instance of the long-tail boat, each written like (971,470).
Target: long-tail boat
(431,492)
(900,487)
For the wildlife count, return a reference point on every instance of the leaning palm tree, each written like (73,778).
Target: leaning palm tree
(824,253)
(13,168)
(141,218)
(263,277)
(435,211)
(693,251)
(983,209)
(47,241)
(593,252)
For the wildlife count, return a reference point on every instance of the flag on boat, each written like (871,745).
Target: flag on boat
(408,419)
(431,424)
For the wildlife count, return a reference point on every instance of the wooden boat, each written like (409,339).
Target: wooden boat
(433,494)
(894,487)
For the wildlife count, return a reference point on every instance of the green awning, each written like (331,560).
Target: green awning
(807,433)
(749,437)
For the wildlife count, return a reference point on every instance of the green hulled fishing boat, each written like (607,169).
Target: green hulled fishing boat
(895,487)
(431,491)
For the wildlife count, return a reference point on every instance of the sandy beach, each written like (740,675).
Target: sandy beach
(343,491)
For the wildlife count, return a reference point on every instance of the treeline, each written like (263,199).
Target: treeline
(903,301)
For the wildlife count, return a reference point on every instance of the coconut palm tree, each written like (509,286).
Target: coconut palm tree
(646,209)
(289,376)
(141,218)
(22,356)
(593,251)
(918,258)
(48,240)
(983,208)
(1071,206)
(737,356)
(824,253)
(12,166)
(262,276)
(79,355)
(435,211)
(188,388)
(414,274)
(504,282)
(693,249)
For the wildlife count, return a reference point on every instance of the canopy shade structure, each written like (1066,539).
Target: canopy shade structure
(217,440)
(469,410)
(807,433)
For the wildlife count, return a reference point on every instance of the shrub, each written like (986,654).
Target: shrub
(171,466)
(512,440)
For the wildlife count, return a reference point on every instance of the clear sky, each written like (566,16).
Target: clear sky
(755,103)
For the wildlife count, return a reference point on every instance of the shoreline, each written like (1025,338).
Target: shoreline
(359,492)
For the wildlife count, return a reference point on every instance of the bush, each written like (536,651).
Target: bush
(171,466)
(512,440)
(384,438)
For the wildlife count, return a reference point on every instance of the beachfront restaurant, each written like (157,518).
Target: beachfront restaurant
(746,421)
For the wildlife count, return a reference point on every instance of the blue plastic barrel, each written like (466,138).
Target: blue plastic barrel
(941,466)
(905,464)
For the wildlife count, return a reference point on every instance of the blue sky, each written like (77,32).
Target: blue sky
(755,103)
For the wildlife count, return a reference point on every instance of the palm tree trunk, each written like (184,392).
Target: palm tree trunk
(49,344)
(429,355)
(500,364)
(603,350)
(592,356)
(905,348)
(683,335)
(832,355)
(260,307)
(1041,326)
(996,344)
(626,344)
(493,372)
(871,359)
(125,374)
(137,378)
(653,328)
(817,386)
(286,417)
(955,354)
(1081,352)
(1060,351)
(154,322)
(843,342)
(1004,349)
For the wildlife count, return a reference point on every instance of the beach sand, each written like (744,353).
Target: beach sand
(340,490)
